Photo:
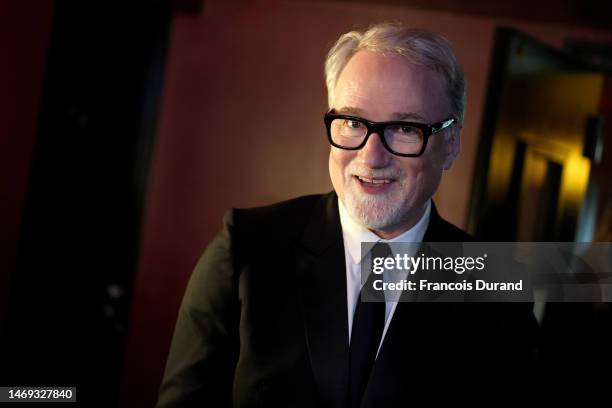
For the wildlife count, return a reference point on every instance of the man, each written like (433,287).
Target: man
(272,317)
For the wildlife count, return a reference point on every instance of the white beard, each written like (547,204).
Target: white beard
(373,212)
(380,211)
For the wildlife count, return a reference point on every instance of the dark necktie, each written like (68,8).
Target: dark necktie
(368,325)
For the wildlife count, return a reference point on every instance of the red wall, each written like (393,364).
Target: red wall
(241,125)
(24,36)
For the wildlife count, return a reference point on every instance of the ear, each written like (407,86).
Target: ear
(453,145)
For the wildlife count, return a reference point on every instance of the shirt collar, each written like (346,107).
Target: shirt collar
(354,233)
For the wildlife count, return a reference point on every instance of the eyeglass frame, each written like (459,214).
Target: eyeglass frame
(379,128)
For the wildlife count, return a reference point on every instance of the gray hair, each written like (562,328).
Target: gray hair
(420,46)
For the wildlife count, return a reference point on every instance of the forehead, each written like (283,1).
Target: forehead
(382,84)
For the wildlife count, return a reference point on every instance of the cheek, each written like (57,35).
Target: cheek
(427,174)
(413,168)
(336,168)
(420,174)
(428,167)
(338,160)
(438,152)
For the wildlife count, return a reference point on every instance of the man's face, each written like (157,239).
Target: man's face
(385,87)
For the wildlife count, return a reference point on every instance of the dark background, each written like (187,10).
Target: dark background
(128,127)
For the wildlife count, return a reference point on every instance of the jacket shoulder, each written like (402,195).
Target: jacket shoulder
(440,230)
(455,234)
(283,219)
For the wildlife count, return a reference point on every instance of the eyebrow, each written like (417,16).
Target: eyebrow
(349,110)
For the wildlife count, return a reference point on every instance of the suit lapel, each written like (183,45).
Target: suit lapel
(435,229)
(321,269)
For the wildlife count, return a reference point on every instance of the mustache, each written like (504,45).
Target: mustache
(386,173)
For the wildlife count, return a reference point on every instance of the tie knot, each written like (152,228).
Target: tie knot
(381,250)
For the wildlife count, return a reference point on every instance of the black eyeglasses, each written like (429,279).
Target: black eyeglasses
(406,139)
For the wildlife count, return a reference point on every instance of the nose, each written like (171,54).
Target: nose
(374,154)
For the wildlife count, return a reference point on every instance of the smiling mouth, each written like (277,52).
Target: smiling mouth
(373,181)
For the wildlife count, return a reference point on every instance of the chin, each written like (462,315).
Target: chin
(373,212)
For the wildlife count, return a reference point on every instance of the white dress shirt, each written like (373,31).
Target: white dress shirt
(354,234)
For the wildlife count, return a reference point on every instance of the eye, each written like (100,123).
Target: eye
(403,134)
(353,124)
(406,130)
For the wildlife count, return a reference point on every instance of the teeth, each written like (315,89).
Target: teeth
(374,181)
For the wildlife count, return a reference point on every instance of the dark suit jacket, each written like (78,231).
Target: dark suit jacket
(263,323)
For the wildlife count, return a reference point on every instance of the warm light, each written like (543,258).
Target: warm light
(574,180)
(500,170)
